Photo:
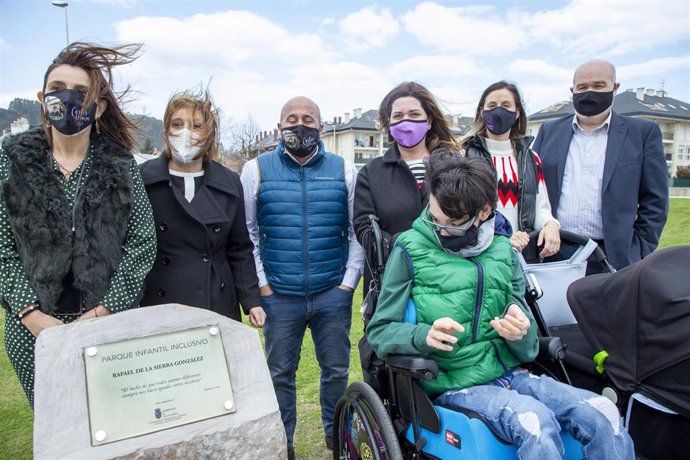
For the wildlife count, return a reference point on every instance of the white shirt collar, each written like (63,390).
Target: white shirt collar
(606,124)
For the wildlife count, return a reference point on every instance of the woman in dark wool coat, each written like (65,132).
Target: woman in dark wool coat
(205,255)
(76,229)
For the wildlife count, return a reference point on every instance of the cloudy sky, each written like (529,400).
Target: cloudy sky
(349,54)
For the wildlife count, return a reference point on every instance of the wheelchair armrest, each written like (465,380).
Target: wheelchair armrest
(414,366)
(551,348)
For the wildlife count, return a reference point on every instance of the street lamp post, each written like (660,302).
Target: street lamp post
(64,5)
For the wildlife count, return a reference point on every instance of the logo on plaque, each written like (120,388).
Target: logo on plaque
(183,376)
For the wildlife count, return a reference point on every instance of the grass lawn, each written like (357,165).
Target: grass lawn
(16,418)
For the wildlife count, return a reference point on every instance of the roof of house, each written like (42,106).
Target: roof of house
(630,102)
(366,122)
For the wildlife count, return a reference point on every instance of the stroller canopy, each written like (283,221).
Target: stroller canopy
(640,316)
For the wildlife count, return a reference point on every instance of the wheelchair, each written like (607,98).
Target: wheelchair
(388,416)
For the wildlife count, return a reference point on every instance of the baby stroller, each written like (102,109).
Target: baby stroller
(550,308)
(389,416)
(636,325)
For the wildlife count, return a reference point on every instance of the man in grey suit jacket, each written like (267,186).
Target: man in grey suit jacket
(605,173)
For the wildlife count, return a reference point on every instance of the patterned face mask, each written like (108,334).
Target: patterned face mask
(499,120)
(300,140)
(64,111)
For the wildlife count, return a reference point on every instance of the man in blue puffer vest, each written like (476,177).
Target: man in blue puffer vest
(298,200)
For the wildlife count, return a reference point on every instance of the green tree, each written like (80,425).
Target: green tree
(148,146)
(27,108)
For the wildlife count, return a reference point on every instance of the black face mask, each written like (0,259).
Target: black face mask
(64,111)
(499,120)
(300,140)
(592,103)
(456,243)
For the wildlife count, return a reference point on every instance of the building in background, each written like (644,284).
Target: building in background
(672,116)
(359,140)
(17,126)
(356,139)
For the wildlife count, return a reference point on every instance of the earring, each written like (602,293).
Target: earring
(98,126)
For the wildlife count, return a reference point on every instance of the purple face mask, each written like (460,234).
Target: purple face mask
(409,133)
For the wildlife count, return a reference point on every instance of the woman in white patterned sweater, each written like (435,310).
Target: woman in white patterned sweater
(498,135)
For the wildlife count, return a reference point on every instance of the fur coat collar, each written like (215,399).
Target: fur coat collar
(40,216)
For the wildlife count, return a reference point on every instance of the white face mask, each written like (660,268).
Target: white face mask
(183,148)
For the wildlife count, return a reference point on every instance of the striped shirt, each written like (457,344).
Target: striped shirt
(418,169)
(579,209)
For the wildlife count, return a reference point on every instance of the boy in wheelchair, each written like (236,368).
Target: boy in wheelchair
(473,321)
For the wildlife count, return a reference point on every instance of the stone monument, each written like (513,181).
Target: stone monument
(168,381)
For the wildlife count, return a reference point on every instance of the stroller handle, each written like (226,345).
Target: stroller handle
(579,240)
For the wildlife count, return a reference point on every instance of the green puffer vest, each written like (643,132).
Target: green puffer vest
(470,291)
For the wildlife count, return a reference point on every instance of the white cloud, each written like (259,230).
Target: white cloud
(469,30)
(537,67)
(368,28)
(446,67)
(653,67)
(580,28)
(611,28)
(247,56)
(538,95)
(336,86)
(224,38)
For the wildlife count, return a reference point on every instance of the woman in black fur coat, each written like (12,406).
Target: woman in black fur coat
(76,229)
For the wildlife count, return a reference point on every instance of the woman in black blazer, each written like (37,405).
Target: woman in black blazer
(204,252)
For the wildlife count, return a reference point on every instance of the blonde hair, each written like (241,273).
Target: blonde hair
(196,101)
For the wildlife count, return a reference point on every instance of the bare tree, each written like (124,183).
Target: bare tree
(242,137)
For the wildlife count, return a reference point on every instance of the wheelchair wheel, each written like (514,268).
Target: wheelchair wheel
(362,428)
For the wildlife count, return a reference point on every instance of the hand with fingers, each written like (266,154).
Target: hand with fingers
(519,240)
(514,324)
(39,321)
(440,334)
(550,237)
(257,316)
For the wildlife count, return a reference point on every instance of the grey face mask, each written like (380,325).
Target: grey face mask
(485,235)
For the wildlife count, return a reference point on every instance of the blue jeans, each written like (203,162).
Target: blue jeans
(532,412)
(329,316)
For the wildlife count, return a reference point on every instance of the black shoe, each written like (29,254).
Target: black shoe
(291,453)
(329,442)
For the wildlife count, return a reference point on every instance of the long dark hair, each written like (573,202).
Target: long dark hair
(519,128)
(98,62)
(439,134)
